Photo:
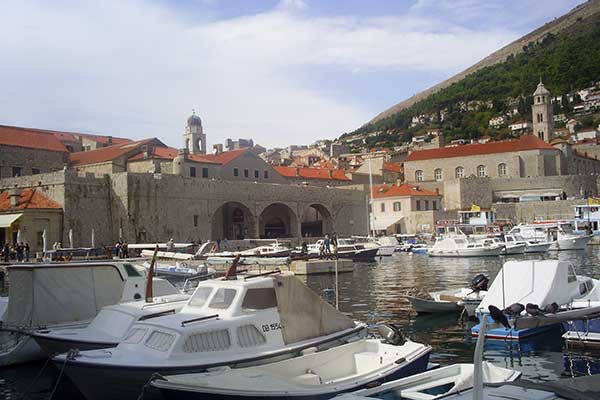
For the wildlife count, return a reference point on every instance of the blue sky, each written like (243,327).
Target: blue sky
(277,71)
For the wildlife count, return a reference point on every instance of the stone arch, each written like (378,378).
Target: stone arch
(316,221)
(278,220)
(233,221)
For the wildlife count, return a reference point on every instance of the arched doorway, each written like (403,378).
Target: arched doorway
(278,221)
(316,221)
(233,221)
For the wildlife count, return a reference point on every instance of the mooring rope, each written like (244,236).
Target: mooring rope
(69,356)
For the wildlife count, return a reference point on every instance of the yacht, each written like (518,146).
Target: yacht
(234,321)
(463,246)
(508,247)
(347,248)
(560,234)
(531,246)
(64,296)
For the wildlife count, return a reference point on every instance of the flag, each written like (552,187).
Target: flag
(475,208)
(593,201)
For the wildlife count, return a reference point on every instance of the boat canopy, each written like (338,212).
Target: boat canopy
(48,295)
(382,223)
(539,282)
(304,314)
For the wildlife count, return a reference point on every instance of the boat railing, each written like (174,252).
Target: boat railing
(200,319)
(276,271)
(156,314)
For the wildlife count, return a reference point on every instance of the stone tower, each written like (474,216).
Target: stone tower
(543,119)
(194,138)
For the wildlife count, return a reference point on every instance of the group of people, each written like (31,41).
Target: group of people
(19,251)
(327,247)
(122,248)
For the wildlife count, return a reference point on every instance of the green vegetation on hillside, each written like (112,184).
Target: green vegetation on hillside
(566,62)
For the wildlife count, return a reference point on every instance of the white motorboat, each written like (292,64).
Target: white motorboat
(109,327)
(273,250)
(531,246)
(560,234)
(320,374)
(65,295)
(462,246)
(388,245)
(180,269)
(435,384)
(510,247)
(347,248)
(236,322)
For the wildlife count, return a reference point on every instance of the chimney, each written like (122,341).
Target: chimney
(14,195)
(398,182)
(110,141)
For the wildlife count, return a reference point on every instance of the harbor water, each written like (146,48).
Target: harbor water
(374,293)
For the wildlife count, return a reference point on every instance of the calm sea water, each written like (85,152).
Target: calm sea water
(374,293)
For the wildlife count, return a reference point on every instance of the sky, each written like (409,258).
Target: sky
(278,71)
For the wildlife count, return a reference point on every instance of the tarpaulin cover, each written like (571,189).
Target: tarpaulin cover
(303,313)
(43,296)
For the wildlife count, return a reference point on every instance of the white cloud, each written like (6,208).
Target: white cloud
(137,68)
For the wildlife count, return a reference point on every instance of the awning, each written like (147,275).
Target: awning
(6,220)
(382,223)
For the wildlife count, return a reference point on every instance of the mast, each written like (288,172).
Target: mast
(371,200)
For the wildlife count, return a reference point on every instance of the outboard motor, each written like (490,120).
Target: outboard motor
(391,334)
(480,282)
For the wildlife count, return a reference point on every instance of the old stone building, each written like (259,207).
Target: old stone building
(313,176)
(543,118)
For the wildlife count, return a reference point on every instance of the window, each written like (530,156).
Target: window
(207,341)
(160,341)
(131,270)
(135,335)
(481,172)
(16,171)
(35,171)
(382,207)
(195,220)
(438,174)
(259,299)
(418,205)
(426,205)
(249,336)
(246,173)
(256,173)
(236,172)
(193,172)
(434,205)
(205,172)
(266,174)
(418,175)
(200,296)
(501,169)
(222,298)
(397,206)
(459,172)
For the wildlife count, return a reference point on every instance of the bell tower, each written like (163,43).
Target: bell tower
(543,118)
(194,139)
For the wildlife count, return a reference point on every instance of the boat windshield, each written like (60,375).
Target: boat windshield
(200,296)
(223,298)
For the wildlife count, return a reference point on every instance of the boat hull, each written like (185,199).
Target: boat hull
(515,249)
(577,243)
(386,251)
(56,345)
(582,332)
(26,350)
(415,367)
(537,248)
(426,306)
(491,252)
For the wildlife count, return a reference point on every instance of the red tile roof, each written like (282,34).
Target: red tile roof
(110,153)
(525,142)
(392,166)
(164,153)
(29,198)
(222,158)
(30,138)
(312,173)
(380,191)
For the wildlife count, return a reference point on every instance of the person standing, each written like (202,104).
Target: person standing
(6,253)
(327,242)
(27,251)
(19,250)
(125,249)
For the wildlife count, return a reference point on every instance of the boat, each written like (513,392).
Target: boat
(233,321)
(586,332)
(369,242)
(109,327)
(510,247)
(537,282)
(216,260)
(463,246)
(347,248)
(436,383)
(64,295)
(418,248)
(531,246)
(560,234)
(453,300)
(180,269)
(388,245)
(315,375)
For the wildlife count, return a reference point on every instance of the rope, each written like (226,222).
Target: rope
(34,381)
(70,355)
(153,377)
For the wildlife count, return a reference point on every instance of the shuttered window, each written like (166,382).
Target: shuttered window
(208,341)
(250,336)
(160,341)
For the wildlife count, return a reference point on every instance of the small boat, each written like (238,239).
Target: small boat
(560,234)
(316,375)
(233,321)
(180,269)
(509,247)
(347,248)
(536,282)
(584,332)
(216,260)
(435,384)
(273,250)
(109,327)
(462,246)
(453,300)
(418,248)
(388,245)
(64,296)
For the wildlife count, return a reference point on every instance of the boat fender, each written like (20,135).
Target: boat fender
(391,334)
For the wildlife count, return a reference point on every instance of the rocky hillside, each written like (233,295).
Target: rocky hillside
(565,52)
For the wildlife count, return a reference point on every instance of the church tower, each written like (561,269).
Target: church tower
(543,118)
(194,138)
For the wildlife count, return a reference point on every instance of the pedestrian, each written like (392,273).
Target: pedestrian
(19,250)
(321,248)
(327,242)
(125,249)
(334,242)
(171,245)
(119,249)
(6,252)
(27,251)
(304,251)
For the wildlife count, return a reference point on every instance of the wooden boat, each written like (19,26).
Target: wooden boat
(451,300)
(317,375)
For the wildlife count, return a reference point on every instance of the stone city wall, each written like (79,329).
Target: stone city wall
(28,159)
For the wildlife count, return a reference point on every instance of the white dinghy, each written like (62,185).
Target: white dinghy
(240,321)
(66,295)
(318,375)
